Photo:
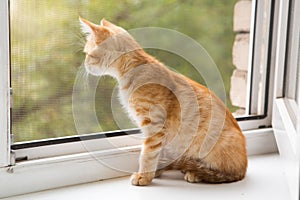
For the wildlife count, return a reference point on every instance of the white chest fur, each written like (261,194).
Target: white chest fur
(124,96)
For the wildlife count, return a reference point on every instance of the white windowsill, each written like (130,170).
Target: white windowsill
(265,180)
(62,171)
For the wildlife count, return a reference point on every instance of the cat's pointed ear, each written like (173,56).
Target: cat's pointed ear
(100,32)
(104,22)
(86,26)
(111,26)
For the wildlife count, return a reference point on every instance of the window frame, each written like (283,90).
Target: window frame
(286,107)
(263,120)
(257,48)
(250,122)
(4,87)
(290,87)
(59,160)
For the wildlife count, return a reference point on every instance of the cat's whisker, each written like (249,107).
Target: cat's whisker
(78,50)
(80,37)
(79,43)
(78,46)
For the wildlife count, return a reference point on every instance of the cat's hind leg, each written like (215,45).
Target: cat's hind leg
(191,177)
(159,172)
(198,171)
(207,175)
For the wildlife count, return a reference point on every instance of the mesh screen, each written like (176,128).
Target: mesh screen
(46,54)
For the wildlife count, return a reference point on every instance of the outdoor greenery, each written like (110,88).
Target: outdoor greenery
(46,54)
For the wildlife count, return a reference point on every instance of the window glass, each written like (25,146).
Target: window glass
(46,54)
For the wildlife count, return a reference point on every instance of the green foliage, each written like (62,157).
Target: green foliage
(46,52)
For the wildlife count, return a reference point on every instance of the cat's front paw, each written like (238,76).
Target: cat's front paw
(141,179)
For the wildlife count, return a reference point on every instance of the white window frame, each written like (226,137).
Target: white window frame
(286,117)
(257,42)
(4,87)
(70,163)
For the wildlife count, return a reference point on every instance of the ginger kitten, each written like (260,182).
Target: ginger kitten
(185,125)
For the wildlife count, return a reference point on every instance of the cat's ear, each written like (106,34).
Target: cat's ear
(100,32)
(87,26)
(112,26)
(104,22)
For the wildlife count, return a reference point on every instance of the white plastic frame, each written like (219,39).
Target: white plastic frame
(258,66)
(286,110)
(4,86)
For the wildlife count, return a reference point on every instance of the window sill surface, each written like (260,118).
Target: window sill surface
(265,180)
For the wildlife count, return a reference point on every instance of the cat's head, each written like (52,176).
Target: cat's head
(105,43)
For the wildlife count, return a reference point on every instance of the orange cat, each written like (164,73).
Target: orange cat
(186,126)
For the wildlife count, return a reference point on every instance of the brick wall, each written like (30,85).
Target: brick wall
(240,54)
